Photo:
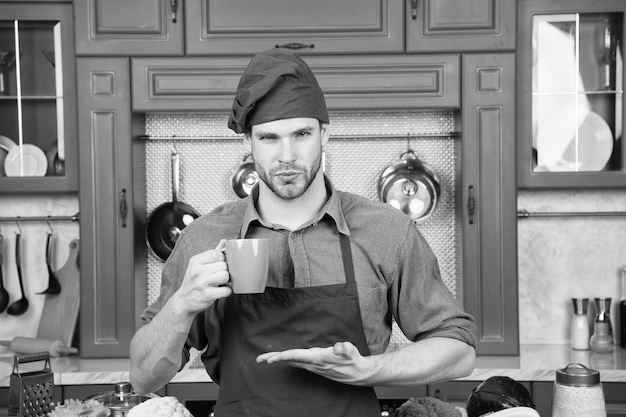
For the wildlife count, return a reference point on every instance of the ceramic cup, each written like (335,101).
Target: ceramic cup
(248,264)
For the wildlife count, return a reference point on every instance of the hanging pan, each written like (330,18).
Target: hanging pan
(410,186)
(167,221)
(245,177)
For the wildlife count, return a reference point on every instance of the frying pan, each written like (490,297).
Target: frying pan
(410,186)
(167,221)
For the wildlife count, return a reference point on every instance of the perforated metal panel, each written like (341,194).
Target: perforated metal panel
(353,164)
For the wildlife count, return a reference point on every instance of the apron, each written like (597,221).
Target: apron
(288,318)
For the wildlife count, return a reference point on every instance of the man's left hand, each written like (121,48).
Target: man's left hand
(341,362)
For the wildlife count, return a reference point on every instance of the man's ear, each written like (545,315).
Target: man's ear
(247,142)
(325,133)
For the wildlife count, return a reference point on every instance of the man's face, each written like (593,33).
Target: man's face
(287,154)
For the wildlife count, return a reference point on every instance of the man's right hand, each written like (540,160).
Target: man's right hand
(205,281)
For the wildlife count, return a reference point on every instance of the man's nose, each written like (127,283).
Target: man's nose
(286,151)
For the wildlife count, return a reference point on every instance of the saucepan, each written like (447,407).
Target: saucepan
(168,220)
(410,186)
(245,177)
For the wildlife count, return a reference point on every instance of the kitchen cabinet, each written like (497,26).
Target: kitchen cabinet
(468,25)
(38,141)
(489,200)
(110,197)
(570,98)
(349,83)
(138,27)
(324,26)
(239,27)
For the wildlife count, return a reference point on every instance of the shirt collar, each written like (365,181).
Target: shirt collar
(332,208)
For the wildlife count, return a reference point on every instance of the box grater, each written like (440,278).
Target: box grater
(31,393)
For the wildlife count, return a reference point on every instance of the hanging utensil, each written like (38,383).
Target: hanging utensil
(54,286)
(4,294)
(20,306)
(168,220)
(410,186)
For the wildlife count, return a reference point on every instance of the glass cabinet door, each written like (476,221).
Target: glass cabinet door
(571,98)
(37,132)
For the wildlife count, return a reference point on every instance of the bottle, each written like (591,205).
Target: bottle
(580,324)
(622,311)
(602,339)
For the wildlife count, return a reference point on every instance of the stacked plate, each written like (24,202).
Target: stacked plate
(21,161)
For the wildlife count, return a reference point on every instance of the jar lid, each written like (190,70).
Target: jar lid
(576,374)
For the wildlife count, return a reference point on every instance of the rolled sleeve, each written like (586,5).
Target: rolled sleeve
(421,303)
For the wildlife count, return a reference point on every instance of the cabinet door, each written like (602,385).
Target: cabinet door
(615,398)
(452,25)
(122,27)
(108,195)
(572,109)
(489,198)
(349,83)
(38,142)
(322,26)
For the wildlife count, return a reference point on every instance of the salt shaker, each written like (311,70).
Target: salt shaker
(580,324)
(578,392)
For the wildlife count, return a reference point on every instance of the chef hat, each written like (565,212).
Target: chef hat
(277,84)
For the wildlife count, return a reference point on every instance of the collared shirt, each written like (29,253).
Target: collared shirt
(396,271)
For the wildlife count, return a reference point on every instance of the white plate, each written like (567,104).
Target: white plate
(515,412)
(6,145)
(556,141)
(35,163)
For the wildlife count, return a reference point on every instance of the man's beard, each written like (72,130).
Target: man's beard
(289,188)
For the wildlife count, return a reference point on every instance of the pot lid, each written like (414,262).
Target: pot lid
(122,398)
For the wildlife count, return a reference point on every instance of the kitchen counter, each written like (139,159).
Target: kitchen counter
(534,363)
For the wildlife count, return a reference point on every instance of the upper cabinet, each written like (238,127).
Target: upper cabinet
(570,92)
(467,25)
(322,26)
(38,141)
(241,27)
(122,27)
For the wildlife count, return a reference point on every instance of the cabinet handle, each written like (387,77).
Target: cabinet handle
(173,8)
(294,45)
(123,207)
(471,204)
(414,9)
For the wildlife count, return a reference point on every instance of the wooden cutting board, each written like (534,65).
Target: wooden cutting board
(60,311)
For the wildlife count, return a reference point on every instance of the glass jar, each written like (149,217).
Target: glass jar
(578,392)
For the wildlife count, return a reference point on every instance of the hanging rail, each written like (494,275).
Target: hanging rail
(340,137)
(72,218)
(523,214)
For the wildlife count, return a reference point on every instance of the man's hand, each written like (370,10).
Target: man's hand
(205,281)
(341,362)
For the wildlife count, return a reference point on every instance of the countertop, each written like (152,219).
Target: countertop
(535,363)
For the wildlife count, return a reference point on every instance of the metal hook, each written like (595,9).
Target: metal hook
(18,227)
(49,226)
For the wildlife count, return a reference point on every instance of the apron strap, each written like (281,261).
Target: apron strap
(346,256)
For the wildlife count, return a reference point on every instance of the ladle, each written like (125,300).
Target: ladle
(19,307)
(4,295)
(54,286)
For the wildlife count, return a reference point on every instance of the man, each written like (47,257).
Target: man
(341,267)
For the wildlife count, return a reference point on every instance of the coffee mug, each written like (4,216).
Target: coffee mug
(248,264)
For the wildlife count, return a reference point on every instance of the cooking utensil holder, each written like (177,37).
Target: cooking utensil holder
(31,394)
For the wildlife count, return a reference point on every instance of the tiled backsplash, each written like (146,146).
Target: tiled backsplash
(353,164)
